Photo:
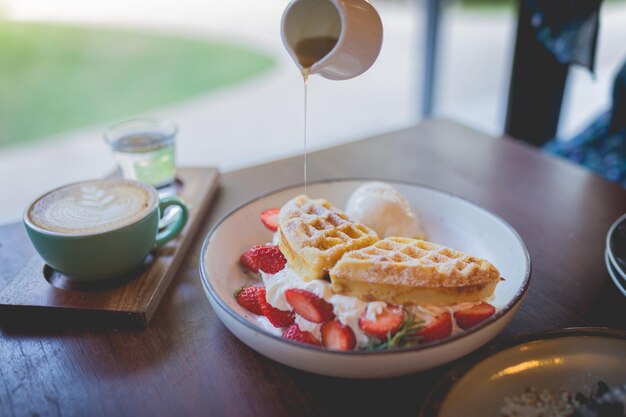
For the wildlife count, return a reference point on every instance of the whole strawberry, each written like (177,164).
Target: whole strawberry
(248,298)
(248,260)
(266,258)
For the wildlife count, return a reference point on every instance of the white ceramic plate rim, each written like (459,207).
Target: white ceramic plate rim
(621,287)
(614,263)
(609,251)
(206,282)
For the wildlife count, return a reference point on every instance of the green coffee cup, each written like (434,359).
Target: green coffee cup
(100,229)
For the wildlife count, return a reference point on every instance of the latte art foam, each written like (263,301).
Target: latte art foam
(92,206)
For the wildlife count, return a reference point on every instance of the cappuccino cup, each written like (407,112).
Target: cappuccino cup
(100,229)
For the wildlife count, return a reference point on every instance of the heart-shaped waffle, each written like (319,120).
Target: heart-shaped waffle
(314,235)
(413,272)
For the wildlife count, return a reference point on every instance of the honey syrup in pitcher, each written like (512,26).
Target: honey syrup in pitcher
(309,51)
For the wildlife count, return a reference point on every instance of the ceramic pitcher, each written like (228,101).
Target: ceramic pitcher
(354,23)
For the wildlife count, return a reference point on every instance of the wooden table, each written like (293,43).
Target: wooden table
(187,364)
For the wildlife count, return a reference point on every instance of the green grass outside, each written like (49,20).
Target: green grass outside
(57,78)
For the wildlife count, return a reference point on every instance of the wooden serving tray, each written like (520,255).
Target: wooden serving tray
(39,295)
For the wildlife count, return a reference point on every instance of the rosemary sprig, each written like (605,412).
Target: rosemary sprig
(405,336)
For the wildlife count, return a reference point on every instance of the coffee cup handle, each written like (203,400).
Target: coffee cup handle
(171,230)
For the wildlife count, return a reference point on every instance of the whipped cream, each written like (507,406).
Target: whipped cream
(374,309)
(278,283)
(381,207)
(308,326)
(265,324)
(346,309)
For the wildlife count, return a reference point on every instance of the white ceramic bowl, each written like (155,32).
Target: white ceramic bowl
(448,220)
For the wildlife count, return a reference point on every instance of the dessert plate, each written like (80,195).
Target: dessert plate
(571,359)
(447,220)
(618,280)
(616,245)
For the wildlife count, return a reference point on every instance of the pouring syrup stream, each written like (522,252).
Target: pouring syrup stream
(305,76)
(309,51)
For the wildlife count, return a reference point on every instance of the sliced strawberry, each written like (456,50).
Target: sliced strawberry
(472,316)
(266,258)
(293,332)
(269,218)
(279,318)
(337,336)
(309,305)
(248,298)
(386,323)
(438,328)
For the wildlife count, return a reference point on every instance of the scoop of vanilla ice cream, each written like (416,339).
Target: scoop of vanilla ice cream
(382,208)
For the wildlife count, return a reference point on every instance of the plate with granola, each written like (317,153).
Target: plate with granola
(576,372)
(364,279)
